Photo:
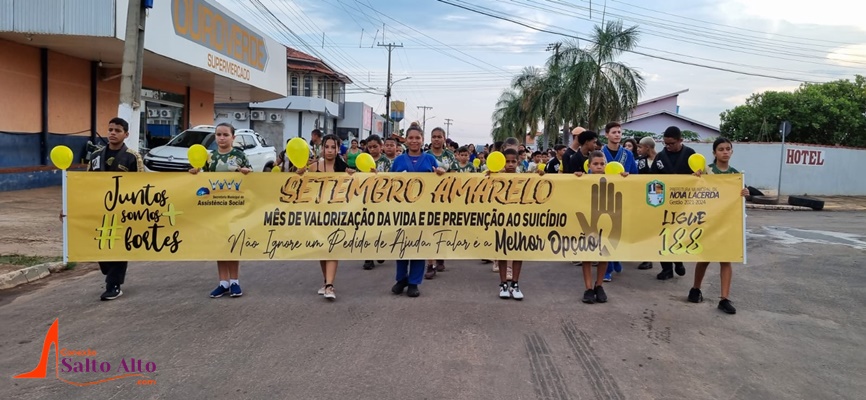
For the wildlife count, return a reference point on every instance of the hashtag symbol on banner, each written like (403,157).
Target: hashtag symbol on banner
(171,213)
(107,232)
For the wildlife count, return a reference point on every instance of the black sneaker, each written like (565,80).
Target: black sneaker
(111,292)
(368,265)
(413,291)
(400,286)
(645,265)
(665,275)
(695,295)
(431,272)
(440,267)
(681,270)
(589,296)
(600,295)
(380,261)
(726,306)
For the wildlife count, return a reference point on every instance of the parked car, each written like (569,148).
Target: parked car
(172,157)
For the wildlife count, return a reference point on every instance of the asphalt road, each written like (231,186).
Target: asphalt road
(799,331)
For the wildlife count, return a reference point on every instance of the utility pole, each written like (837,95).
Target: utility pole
(448,122)
(424,118)
(133,63)
(388,127)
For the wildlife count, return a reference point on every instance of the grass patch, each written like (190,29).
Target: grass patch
(26,261)
(70,265)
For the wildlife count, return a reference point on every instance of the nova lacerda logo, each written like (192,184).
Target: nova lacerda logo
(86,362)
(605,216)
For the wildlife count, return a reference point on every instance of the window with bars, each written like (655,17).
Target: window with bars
(294,87)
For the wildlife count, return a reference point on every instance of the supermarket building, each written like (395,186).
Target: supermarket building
(60,63)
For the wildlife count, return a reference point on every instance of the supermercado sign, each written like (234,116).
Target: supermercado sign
(229,216)
(206,35)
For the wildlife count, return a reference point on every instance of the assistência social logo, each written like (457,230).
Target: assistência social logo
(86,362)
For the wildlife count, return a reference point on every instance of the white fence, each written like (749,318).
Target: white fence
(808,169)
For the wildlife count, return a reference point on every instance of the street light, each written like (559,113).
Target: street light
(392,85)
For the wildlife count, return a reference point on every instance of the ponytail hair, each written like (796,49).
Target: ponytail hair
(718,142)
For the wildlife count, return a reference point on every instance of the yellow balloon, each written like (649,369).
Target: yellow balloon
(614,168)
(542,167)
(365,162)
(495,161)
(476,162)
(276,168)
(61,156)
(197,155)
(697,162)
(586,166)
(298,152)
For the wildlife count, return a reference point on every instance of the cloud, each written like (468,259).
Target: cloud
(849,56)
(741,98)
(829,12)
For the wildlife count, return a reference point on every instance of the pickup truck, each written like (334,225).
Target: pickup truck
(172,157)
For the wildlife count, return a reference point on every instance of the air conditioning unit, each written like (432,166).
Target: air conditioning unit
(257,115)
(275,117)
(164,113)
(153,113)
(240,116)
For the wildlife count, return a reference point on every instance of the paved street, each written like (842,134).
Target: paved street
(799,331)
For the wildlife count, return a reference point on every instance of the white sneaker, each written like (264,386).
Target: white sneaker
(495,266)
(504,292)
(516,294)
(321,290)
(329,293)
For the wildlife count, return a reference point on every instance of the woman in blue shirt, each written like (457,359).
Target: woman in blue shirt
(410,273)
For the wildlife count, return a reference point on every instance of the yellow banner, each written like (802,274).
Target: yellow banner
(279,216)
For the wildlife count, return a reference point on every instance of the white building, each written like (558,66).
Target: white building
(316,100)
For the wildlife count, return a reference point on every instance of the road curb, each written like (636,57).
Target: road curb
(783,207)
(24,275)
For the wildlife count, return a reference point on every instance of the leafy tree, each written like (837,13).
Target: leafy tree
(691,136)
(637,135)
(579,86)
(832,113)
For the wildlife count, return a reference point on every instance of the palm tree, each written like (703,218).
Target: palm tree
(506,115)
(612,87)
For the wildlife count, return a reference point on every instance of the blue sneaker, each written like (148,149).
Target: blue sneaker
(617,266)
(236,290)
(219,291)
(607,277)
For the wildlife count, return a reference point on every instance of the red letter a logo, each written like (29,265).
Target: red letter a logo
(42,369)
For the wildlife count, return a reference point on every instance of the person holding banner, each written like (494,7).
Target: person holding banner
(410,273)
(383,164)
(330,162)
(722,151)
(595,293)
(509,270)
(115,157)
(646,150)
(446,159)
(614,152)
(226,158)
(674,159)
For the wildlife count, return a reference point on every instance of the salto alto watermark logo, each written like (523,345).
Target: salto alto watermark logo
(86,363)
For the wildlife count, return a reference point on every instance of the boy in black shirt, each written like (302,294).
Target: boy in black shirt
(674,159)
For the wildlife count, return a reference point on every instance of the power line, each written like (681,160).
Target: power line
(629,51)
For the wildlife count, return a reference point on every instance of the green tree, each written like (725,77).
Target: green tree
(691,136)
(832,113)
(637,135)
(579,86)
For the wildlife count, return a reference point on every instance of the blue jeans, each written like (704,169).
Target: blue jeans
(413,269)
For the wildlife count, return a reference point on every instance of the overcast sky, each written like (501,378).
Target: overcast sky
(459,61)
